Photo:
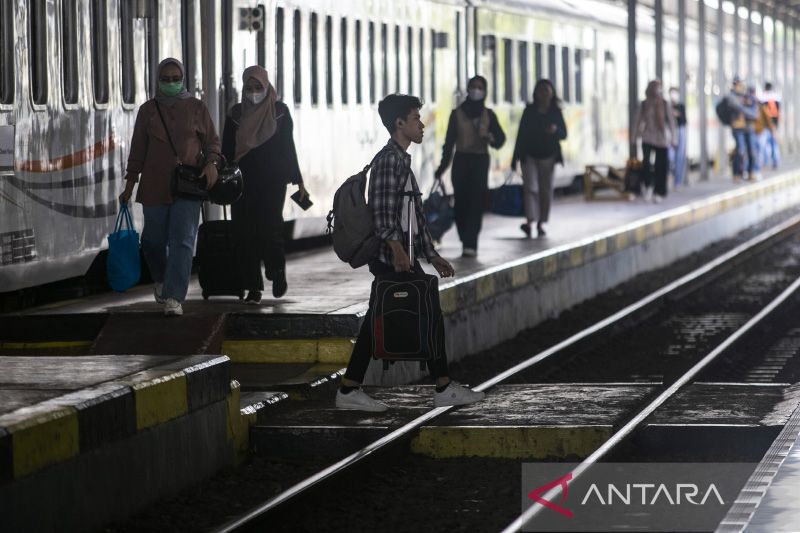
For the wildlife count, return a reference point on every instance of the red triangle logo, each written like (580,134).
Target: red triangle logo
(562,481)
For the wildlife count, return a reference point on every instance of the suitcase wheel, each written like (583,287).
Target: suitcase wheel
(205,295)
(241,295)
(385,365)
(422,365)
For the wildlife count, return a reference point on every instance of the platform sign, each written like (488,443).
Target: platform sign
(6,148)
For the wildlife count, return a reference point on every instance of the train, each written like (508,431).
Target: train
(73,73)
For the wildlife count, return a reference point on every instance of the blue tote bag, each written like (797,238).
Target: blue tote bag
(122,265)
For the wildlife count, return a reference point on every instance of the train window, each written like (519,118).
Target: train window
(371,54)
(522,58)
(579,76)
(492,45)
(298,80)
(508,72)
(359,97)
(551,65)
(314,69)
(397,58)
(565,74)
(385,59)
(329,60)
(6,52)
(100,51)
(37,14)
(279,36)
(69,51)
(433,66)
(458,51)
(410,65)
(126,41)
(343,38)
(537,57)
(422,63)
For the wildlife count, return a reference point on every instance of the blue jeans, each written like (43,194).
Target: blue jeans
(768,146)
(746,147)
(168,244)
(677,157)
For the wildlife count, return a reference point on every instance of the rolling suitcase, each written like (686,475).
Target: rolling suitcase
(217,268)
(407,323)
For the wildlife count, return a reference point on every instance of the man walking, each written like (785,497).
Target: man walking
(390,177)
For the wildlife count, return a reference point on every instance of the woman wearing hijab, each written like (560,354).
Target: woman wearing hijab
(655,125)
(258,136)
(472,129)
(538,147)
(170,223)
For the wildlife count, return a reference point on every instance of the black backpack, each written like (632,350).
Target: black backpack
(724,111)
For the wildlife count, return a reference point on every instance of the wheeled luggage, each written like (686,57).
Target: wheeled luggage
(407,323)
(217,266)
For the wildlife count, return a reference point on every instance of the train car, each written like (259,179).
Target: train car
(73,73)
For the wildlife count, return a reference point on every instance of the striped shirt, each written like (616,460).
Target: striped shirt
(387,182)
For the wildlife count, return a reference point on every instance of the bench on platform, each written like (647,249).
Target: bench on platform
(603,176)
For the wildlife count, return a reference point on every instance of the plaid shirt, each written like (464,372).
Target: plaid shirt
(386,184)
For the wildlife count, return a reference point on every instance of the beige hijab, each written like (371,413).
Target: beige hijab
(257,122)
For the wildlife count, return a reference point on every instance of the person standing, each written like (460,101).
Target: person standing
(538,147)
(391,176)
(258,137)
(170,223)
(472,129)
(655,126)
(743,112)
(772,104)
(677,153)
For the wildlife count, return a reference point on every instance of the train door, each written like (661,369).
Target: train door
(243,44)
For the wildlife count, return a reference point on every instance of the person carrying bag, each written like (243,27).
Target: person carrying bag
(172,130)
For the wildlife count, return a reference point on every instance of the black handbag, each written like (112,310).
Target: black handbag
(186,181)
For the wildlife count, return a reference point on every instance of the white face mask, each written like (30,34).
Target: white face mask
(256,96)
(476,94)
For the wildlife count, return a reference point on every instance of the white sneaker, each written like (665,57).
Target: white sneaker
(648,193)
(657,198)
(172,307)
(469,252)
(157,288)
(456,394)
(359,400)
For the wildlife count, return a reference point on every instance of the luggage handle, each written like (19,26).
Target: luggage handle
(124,218)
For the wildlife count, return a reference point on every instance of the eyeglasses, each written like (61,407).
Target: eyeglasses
(170,79)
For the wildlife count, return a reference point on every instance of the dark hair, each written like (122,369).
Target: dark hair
(555,102)
(396,106)
(768,86)
(481,79)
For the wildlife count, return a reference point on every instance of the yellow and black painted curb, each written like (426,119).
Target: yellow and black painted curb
(58,429)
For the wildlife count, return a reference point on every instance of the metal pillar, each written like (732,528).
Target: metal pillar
(701,90)
(794,96)
(749,26)
(633,79)
(775,46)
(659,21)
(682,49)
(763,49)
(737,59)
(721,160)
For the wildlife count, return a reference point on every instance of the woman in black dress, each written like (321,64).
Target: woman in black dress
(258,136)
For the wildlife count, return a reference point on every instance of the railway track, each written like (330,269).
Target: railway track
(569,352)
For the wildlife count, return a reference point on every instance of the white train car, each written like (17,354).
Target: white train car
(73,73)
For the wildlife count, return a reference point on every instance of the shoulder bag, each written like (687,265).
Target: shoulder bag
(186,181)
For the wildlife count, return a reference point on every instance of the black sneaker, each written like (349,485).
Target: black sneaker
(526,229)
(253,298)
(279,284)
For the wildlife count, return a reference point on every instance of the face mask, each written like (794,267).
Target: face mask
(673,96)
(476,94)
(171,88)
(256,96)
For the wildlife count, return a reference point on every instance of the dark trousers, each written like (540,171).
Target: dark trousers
(470,181)
(655,175)
(362,351)
(259,236)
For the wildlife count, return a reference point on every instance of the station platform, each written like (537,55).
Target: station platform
(768,501)
(549,422)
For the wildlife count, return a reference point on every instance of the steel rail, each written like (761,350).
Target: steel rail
(670,391)
(736,253)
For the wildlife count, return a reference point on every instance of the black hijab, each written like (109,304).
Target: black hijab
(474,108)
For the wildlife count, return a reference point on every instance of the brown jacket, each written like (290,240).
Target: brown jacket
(151,155)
